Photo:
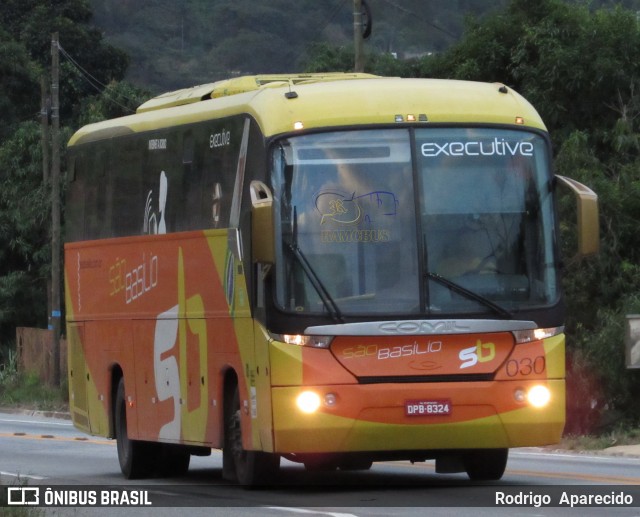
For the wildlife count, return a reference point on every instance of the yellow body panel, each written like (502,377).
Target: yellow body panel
(353,101)
(286,365)
(88,410)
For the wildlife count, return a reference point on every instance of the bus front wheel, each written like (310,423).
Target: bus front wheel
(135,457)
(485,464)
(249,468)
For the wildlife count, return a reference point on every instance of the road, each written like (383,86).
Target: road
(47,451)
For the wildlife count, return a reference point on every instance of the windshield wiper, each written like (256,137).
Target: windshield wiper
(457,288)
(313,277)
(317,284)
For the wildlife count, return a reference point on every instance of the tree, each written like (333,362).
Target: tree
(327,58)
(581,70)
(87,65)
(116,100)
(177,44)
(24,248)
(571,63)
(18,81)
(29,24)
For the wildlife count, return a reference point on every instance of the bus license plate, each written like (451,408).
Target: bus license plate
(441,407)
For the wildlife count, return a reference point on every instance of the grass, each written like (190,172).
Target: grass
(16,511)
(18,389)
(24,389)
(619,436)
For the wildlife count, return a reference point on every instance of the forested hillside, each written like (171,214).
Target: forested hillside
(25,58)
(174,44)
(178,43)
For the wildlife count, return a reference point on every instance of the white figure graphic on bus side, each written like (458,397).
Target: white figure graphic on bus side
(151,224)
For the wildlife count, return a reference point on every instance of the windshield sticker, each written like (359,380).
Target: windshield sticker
(344,208)
(350,210)
(341,211)
(355,236)
(495,147)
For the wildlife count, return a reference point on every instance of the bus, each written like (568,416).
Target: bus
(335,269)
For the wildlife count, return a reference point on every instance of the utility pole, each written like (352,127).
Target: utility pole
(55,208)
(44,127)
(45,108)
(357,36)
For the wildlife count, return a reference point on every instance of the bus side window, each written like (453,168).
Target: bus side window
(191,202)
(94,194)
(126,218)
(74,210)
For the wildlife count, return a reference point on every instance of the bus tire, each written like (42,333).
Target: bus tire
(485,464)
(249,468)
(135,457)
(174,460)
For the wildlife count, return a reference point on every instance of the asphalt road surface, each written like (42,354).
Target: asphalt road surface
(50,452)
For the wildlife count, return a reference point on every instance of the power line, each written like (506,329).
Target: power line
(330,18)
(94,82)
(335,12)
(419,17)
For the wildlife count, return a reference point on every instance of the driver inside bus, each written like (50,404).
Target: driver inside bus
(468,251)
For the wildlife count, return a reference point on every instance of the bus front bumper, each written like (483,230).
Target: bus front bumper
(352,418)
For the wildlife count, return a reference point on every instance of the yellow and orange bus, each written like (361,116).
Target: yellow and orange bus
(335,269)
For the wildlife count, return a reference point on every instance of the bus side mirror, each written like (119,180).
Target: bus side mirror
(262,232)
(587,215)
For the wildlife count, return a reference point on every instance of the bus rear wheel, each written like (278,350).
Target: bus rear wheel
(136,458)
(249,468)
(485,464)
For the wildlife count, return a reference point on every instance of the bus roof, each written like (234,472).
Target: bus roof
(277,102)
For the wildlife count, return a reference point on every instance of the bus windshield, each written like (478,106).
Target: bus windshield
(428,221)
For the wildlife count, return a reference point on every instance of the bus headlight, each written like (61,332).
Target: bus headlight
(308,402)
(527,336)
(302,340)
(539,396)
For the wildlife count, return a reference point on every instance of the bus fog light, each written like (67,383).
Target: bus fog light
(330,399)
(539,396)
(308,402)
(520,395)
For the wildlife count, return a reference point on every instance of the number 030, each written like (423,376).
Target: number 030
(526,366)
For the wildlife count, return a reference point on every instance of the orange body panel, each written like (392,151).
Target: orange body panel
(373,416)
(422,355)
(163,310)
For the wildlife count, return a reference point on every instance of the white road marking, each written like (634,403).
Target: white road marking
(20,476)
(40,422)
(309,512)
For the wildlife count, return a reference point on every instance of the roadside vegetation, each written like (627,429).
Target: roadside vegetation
(596,442)
(16,511)
(25,390)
